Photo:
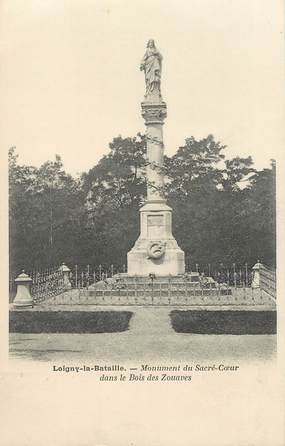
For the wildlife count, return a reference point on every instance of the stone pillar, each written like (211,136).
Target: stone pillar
(66,275)
(156,250)
(154,115)
(23,297)
(256,275)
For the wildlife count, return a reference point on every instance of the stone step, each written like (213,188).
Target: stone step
(156,293)
(156,285)
(126,281)
(191,277)
(82,297)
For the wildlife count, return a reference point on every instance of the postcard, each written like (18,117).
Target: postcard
(142,221)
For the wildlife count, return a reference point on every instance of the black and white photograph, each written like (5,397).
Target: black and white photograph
(143,141)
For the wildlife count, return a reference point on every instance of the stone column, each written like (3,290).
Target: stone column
(154,115)
(66,276)
(256,275)
(156,250)
(23,297)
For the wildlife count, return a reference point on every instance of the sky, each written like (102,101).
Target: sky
(70,78)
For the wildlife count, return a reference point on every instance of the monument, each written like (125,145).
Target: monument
(156,250)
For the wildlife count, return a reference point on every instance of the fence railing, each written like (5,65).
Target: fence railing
(82,276)
(52,282)
(46,283)
(235,275)
(268,280)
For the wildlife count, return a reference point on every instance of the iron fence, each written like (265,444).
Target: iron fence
(236,275)
(83,276)
(46,283)
(268,280)
(50,282)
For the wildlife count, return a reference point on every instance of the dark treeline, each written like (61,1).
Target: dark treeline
(223,210)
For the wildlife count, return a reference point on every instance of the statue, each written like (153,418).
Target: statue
(151,65)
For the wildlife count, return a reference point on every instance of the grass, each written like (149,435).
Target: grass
(69,321)
(224,322)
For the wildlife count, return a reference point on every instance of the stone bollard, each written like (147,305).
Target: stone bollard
(66,274)
(23,297)
(256,275)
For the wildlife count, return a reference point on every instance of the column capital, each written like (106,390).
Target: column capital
(153,113)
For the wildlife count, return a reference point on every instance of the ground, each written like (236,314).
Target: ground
(150,338)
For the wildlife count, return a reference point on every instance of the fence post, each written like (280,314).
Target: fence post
(235,275)
(256,275)
(23,297)
(66,274)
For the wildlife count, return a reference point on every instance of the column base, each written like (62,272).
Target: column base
(23,304)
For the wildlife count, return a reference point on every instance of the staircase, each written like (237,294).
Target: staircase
(191,284)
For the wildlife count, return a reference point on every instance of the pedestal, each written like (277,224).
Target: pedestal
(23,297)
(156,250)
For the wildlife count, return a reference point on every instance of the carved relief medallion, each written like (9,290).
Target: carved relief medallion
(156,249)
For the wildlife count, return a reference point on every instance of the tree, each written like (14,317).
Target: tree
(114,190)
(260,216)
(207,198)
(194,167)
(237,170)
(119,176)
(223,209)
(44,205)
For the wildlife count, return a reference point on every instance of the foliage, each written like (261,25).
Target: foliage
(44,214)
(118,180)
(193,167)
(223,209)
